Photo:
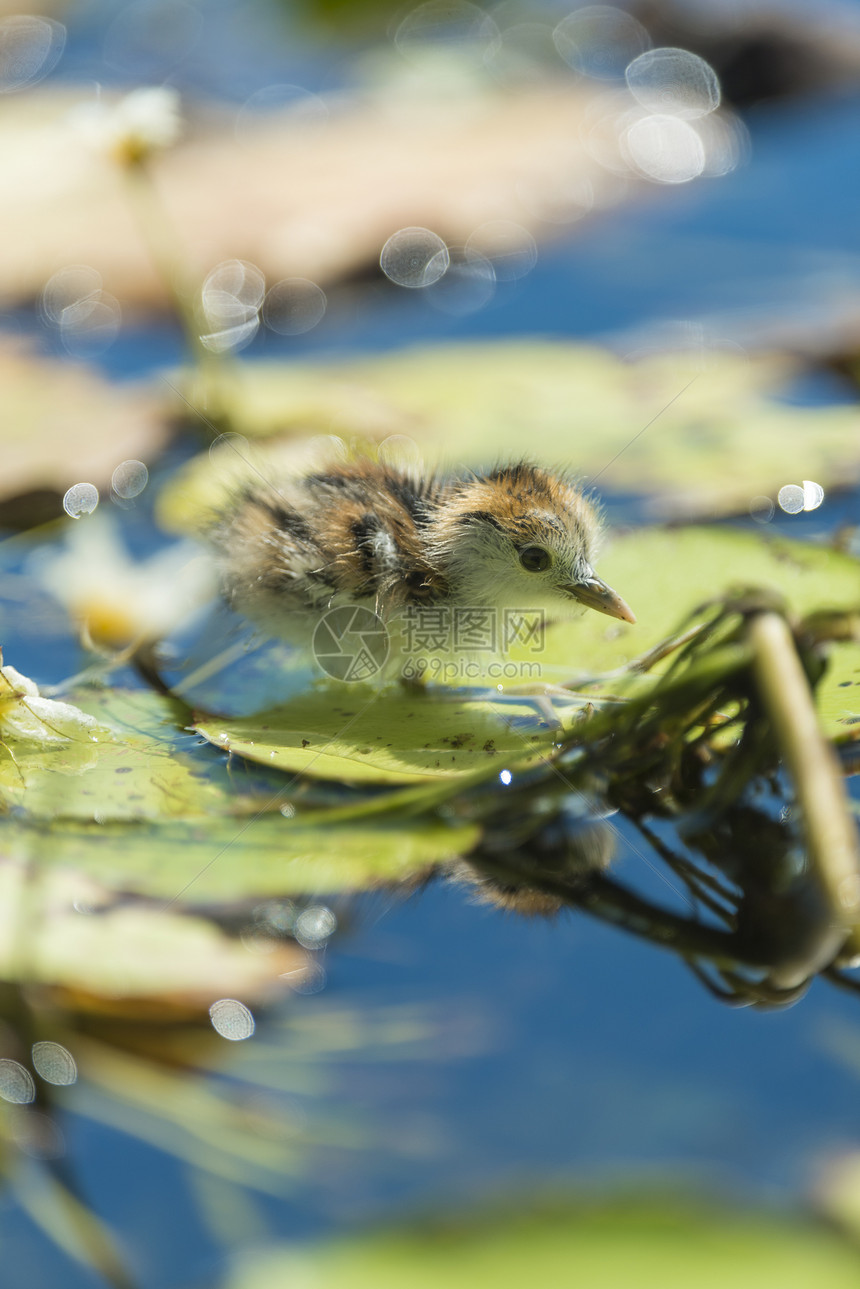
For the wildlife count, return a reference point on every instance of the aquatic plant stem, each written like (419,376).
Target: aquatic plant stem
(831,836)
(162,241)
(163,245)
(73,1226)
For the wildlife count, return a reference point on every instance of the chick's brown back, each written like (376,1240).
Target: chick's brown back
(355,530)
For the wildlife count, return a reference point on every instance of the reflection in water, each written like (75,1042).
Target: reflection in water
(769,892)
(164,1076)
(753,913)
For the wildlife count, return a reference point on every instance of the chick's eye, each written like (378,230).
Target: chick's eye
(535,559)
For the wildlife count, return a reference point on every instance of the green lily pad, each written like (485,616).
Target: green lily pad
(354,734)
(163,811)
(228,860)
(838,694)
(651,1245)
(665,574)
(701,435)
(118,760)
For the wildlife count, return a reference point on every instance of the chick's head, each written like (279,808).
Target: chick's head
(523,537)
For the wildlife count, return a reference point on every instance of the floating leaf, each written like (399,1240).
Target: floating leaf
(838,694)
(163,810)
(650,1244)
(700,435)
(120,760)
(354,734)
(29,719)
(62,425)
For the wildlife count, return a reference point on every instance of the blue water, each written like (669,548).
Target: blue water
(558,1049)
(561,1051)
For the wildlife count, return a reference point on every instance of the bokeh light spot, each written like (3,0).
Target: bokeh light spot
(36,1135)
(467,285)
(674,82)
(762,509)
(522,53)
(231,297)
(87,318)
(30,48)
(232,1019)
(309,979)
(81,499)
(510,248)
(791,499)
(600,40)
(16,1082)
(129,479)
(400,451)
(54,1063)
(726,141)
(301,106)
(276,917)
(454,24)
(229,445)
(314,926)
(294,306)
(665,149)
(813,495)
(414,258)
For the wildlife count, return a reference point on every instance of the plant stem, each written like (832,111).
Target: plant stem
(831,837)
(164,244)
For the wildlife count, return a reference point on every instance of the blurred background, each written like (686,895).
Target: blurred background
(225,218)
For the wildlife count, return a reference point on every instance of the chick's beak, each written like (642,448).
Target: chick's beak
(595,594)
